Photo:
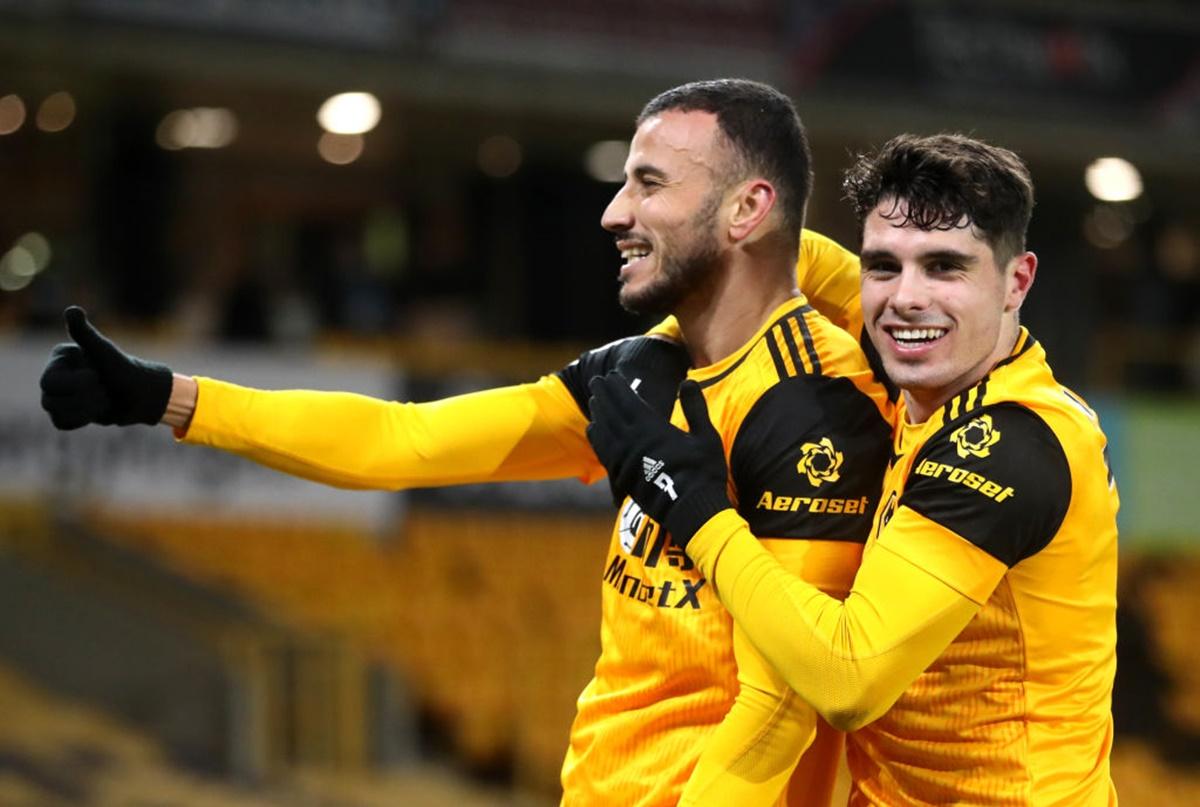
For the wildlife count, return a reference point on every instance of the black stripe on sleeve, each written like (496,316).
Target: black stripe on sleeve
(790,342)
(776,356)
(814,359)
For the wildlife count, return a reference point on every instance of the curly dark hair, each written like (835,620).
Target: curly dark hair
(763,130)
(944,182)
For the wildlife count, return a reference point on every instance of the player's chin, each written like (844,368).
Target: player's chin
(909,372)
(921,380)
(647,297)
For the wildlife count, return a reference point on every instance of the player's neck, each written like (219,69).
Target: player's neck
(720,318)
(920,404)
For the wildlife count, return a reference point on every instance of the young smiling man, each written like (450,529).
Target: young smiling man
(708,224)
(974,656)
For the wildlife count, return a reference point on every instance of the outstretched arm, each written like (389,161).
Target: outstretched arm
(527,431)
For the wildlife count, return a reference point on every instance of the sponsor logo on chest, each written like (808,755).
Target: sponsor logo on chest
(646,551)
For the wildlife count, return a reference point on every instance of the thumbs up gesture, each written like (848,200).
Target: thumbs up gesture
(91,380)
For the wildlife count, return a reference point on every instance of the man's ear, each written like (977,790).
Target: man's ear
(752,202)
(1019,277)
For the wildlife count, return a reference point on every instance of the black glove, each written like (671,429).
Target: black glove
(678,477)
(654,365)
(93,381)
(654,368)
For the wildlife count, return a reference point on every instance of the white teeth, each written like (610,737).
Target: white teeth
(634,253)
(917,334)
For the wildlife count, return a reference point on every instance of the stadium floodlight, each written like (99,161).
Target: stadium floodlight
(56,112)
(605,161)
(1113,179)
(499,156)
(199,128)
(38,248)
(12,114)
(1107,226)
(17,269)
(340,149)
(349,113)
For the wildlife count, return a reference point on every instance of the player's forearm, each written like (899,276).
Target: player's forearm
(753,752)
(850,660)
(531,431)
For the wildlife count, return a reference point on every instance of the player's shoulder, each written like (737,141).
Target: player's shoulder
(798,366)
(1026,379)
(996,433)
(997,475)
(808,459)
(804,404)
(803,342)
(655,358)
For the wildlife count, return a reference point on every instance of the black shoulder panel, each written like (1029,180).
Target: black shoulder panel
(660,364)
(808,460)
(997,476)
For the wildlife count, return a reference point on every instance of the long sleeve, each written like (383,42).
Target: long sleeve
(755,750)
(829,276)
(523,432)
(917,588)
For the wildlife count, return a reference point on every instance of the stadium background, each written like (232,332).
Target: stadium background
(179,628)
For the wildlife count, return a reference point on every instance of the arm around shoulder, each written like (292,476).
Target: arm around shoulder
(850,660)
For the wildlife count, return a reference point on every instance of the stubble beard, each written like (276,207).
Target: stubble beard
(681,270)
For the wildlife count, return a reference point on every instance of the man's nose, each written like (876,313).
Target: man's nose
(911,292)
(618,216)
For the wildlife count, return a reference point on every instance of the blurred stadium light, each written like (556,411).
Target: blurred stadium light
(1112,179)
(352,113)
(56,112)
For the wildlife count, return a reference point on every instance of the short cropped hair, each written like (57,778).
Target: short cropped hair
(762,129)
(944,179)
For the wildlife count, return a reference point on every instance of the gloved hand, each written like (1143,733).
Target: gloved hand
(94,381)
(678,477)
(653,366)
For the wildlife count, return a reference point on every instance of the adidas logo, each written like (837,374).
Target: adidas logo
(650,468)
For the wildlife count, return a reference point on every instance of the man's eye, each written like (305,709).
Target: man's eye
(941,267)
(881,267)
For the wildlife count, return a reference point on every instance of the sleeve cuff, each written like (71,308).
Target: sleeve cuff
(712,537)
(690,514)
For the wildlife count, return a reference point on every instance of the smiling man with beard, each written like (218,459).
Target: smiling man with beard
(708,222)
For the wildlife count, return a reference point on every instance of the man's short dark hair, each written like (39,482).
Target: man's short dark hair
(763,131)
(943,181)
